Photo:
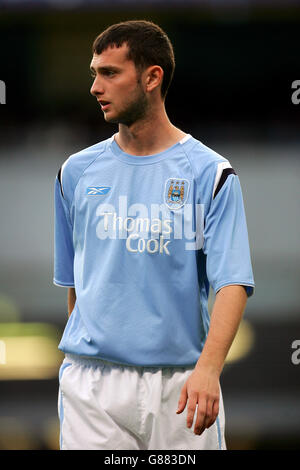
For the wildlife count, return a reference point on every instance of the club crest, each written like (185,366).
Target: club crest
(176,192)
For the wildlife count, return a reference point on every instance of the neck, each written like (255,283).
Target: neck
(152,134)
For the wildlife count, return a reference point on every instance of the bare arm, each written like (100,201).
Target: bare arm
(227,312)
(202,386)
(71,299)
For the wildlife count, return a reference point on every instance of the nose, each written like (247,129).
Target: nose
(96,88)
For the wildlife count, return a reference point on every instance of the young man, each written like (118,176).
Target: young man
(145,222)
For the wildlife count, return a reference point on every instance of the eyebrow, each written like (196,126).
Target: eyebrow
(105,68)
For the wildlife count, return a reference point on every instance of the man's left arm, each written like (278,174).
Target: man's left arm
(202,387)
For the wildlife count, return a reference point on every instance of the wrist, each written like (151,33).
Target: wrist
(210,366)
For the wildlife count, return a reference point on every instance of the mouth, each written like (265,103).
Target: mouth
(104,104)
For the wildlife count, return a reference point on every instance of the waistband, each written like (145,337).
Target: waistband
(98,362)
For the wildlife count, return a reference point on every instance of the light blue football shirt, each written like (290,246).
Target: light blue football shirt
(141,238)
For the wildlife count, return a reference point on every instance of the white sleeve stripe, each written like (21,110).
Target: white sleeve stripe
(61,170)
(61,176)
(220,168)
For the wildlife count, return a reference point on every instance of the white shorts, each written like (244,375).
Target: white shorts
(107,406)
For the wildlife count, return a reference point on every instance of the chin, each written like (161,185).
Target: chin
(111,118)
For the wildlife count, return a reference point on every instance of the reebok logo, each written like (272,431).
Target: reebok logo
(97,190)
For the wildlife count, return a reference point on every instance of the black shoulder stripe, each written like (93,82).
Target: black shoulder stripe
(226,172)
(59,179)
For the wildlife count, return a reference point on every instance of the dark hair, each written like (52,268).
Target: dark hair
(148,45)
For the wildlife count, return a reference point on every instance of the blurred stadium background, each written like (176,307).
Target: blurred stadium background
(236,62)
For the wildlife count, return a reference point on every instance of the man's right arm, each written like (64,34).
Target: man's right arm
(71,299)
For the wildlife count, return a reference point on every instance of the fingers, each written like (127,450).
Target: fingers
(201,416)
(215,411)
(192,403)
(182,400)
(207,412)
(203,405)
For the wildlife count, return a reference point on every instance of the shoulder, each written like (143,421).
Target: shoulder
(210,169)
(74,166)
(201,157)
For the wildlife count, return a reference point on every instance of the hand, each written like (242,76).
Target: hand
(202,388)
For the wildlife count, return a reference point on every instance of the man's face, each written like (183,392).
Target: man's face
(117,86)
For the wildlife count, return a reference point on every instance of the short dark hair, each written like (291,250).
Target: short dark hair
(148,45)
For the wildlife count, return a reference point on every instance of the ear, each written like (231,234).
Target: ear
(153,77)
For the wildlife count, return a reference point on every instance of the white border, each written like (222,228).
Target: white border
(185,138)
